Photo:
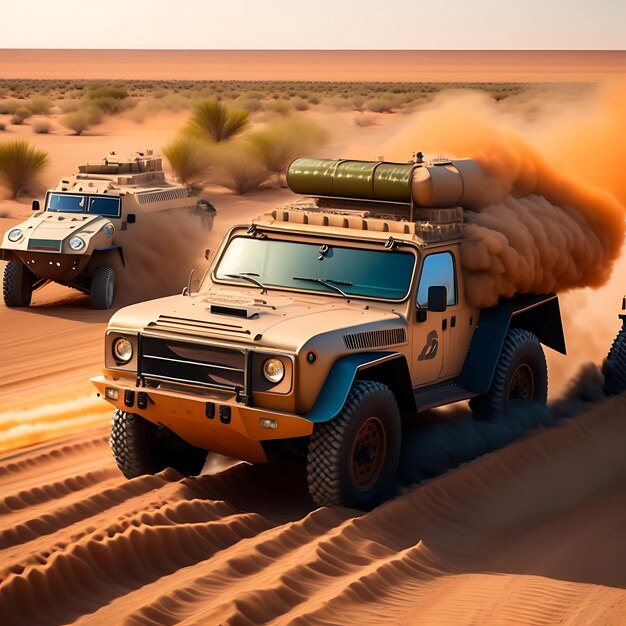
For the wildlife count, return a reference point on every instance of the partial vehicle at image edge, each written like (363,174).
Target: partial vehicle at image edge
(86,223)
(321,326)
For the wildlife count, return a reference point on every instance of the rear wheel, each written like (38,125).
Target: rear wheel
(614,367)
(353,459)
(141,447)
(521,374)
(103,288)
(17,284)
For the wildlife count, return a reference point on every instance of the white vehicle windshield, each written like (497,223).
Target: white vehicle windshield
(93,205)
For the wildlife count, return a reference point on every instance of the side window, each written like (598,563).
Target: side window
(437,270)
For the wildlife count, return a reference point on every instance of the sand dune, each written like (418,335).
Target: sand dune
(530,534)
(326,65)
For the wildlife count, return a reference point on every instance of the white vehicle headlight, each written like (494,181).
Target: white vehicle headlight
(122,349)
(274,370)
(15,235)
(76,243)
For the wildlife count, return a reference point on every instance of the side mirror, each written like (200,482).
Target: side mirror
(437,298)
(131,218)
(207,254)
(36,205)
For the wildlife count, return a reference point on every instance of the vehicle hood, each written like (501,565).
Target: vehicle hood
(275,321)
(56,227)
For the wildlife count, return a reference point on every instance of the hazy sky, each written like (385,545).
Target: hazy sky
(311,24)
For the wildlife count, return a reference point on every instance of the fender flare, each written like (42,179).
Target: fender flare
(540,315)
(343,373)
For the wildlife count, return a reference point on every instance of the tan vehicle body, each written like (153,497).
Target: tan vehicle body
(44,248)
(288,324)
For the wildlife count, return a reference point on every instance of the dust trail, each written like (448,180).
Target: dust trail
(165,246)
(538,228)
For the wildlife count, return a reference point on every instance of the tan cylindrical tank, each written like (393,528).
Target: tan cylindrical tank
(438,184)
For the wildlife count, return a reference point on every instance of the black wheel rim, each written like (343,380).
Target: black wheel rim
(368,454)
(522,385)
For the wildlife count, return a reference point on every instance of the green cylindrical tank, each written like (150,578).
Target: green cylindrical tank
(369,180)
(440,183)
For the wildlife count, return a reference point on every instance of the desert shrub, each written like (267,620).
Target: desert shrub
(300,104)
(363,120)
(82,119)
(215,121)
(280,106)
(68,105)
(191,160)
(252,105)
(382,104)
(238,168)
(107,91)
(42,127)
(40,105)
(21,165)
(2,126)
(277,145)
(9,106)
(358,103)
(109,99)
(20,114)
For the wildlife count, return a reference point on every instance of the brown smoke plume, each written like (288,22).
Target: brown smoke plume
(538,229)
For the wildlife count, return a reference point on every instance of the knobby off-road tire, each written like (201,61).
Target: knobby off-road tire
(352,460)
(17,284)
(614,367)
(141,447)
(102,290)
(521,374)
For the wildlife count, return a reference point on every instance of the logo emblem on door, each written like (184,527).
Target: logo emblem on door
(429,351)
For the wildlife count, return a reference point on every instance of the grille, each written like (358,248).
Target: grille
(46,245)
(375,338)
(167,322)
(161,196)
(193,364)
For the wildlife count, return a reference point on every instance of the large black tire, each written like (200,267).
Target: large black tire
(521,374)
(614,367)
(17,284)
(353,459)
(102,290)
(141,447)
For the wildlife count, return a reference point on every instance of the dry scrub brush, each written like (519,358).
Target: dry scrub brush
(21,166)
(191,160)
(238,168)
(81,120)
(217,122)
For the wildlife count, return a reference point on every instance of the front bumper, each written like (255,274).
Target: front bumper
(233,430)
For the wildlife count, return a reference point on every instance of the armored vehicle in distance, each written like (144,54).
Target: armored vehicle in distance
(84,224)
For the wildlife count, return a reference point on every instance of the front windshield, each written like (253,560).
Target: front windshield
(381,274)
(94,205)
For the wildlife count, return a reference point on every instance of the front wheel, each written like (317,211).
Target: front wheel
(353,459)
(141,447)
(17,284)
(614,367)
(521,374)
(102,288)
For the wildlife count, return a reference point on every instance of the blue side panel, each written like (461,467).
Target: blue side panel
(335,391)
(484,351)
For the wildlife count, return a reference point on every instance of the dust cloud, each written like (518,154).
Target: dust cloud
(160,250)
(539,226)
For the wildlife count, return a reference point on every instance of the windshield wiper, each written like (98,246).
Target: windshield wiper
(328,283)
(249,276)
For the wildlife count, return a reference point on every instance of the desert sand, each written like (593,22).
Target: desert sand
(325,65)
(529,534)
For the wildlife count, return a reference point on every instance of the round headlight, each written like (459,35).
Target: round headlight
(15,235)
(122,349)
(273,370)
(76,243)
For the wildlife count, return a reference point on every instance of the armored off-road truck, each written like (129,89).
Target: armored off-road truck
(86,222)
(318,328)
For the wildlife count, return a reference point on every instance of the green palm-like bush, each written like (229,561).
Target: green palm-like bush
(216,121)
(21,165)
(281,142)
(190,159)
